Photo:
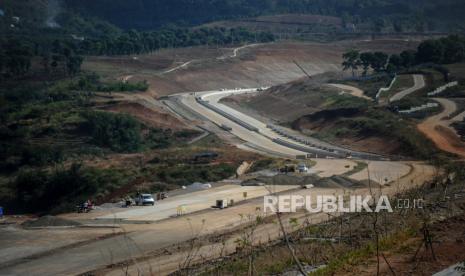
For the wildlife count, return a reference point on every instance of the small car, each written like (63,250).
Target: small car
(302,168)
(145,199)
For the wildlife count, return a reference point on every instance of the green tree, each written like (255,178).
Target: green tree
(454,49)
(73,64)
(118,132)
(408,58)
(45,62)
(17,58)
(395,62)
(366,59)
(2,61)
(430,51)
(351,60)
(379,62)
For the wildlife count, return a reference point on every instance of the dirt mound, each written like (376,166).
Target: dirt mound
(147,115)
(300,97)
(261,65)
(333,123)
(49,221)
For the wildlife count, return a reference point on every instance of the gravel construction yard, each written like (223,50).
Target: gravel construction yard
(195,201)
(78,250)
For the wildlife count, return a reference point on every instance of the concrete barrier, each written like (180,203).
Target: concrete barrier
(441,89)
(226,115)
(385,89)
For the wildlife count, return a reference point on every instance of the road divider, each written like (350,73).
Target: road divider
(226,115)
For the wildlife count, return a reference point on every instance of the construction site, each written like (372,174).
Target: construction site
(224,127)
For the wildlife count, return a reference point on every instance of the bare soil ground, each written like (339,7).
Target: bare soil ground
(262,65)
(161,247)
(378,144)
(354,91)
(317,244)
(438,129)
(297,98)
(150,116)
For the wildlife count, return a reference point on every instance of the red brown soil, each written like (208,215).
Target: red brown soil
(451,137)
(148,116)
(375,144)
(261,65)
(448,245)
(439,131)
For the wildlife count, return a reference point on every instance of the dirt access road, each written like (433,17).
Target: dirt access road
(163,246)
(193,202)
(354,91)
(227,244)
(253,65)
(438,128)
(179,70)
(259,67)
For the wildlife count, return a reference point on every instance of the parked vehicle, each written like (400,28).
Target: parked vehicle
(302,168)
(226,127)
(288,168)
(162,195)
(145,199)
(82,208)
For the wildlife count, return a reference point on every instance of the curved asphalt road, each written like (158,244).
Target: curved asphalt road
(265,136)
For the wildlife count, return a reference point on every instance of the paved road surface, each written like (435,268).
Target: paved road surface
(265,136)
(143,240)
(236,129)
(419,83)
(192,202)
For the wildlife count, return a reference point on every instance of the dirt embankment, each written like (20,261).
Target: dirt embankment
(149,116)
(261,65)
(329,121)
(289,101)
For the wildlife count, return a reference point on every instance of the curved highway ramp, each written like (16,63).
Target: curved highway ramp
(264,136)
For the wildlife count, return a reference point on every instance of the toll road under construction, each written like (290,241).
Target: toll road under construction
(309,147)
(226,115)
(311,152)
(316,148)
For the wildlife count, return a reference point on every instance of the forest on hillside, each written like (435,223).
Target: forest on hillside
(147,14)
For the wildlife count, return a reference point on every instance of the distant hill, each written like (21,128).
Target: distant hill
(96,17)
(382,15)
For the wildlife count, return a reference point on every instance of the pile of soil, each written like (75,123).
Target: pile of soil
(151,117)
(49,221)
(328,121)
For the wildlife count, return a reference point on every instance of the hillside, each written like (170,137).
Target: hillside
(98,18)
(381,15)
